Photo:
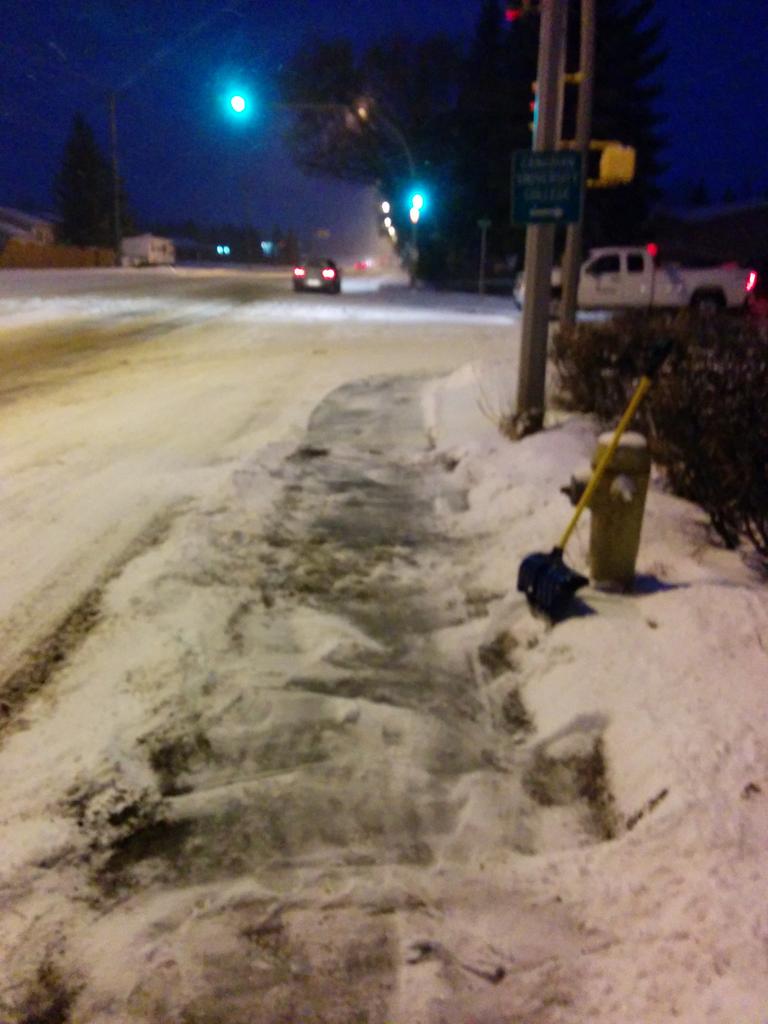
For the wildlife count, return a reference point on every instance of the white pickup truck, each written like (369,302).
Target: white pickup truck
(630,277)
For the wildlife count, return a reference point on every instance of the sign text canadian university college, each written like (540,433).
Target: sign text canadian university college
(546,187)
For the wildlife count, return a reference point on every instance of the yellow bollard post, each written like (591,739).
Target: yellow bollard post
(617,508)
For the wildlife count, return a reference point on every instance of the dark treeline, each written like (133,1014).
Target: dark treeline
(429,113)
(247,244)
(85,198)
(457,114)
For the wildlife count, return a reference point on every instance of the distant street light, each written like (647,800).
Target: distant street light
(366,113)
(369,113)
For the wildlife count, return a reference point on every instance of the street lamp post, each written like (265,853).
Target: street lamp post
(118,233)
(540,238)
(484,223)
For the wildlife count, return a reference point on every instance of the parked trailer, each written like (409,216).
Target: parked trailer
(147,250)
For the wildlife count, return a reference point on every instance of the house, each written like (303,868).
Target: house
(26,227)
(147,250)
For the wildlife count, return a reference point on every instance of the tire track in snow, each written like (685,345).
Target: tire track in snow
(40,663)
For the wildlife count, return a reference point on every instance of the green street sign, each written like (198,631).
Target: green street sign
(546,187)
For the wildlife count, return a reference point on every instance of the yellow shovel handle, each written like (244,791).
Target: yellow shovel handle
(605,458)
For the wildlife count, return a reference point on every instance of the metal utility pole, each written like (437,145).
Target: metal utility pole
(574,235)
(484,223)
(115,177)
(539,240)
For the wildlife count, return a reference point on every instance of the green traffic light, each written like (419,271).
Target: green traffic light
(238,104)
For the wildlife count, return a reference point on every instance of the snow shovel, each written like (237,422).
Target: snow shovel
(544,578)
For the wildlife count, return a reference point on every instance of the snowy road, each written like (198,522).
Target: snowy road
(123,396)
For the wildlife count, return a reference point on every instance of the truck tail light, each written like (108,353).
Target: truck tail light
(751,281)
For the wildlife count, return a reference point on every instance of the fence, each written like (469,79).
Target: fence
(19,254)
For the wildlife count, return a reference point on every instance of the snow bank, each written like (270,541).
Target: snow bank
(670,681)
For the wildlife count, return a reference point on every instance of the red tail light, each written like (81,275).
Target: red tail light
(329,273)
(299,272)
(751,281)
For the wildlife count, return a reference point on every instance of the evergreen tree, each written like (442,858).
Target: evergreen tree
(494,117)
(627,59)
(84,190)
(492,121)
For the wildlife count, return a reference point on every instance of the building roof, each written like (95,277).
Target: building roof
(146,235)
(22,221)
(716,211)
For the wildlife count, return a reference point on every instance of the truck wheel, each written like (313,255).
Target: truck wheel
(707,303)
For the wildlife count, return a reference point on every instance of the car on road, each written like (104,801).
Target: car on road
(318,275)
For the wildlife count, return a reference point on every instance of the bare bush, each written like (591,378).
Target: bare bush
(706,417)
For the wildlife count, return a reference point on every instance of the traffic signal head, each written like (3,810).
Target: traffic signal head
(418,201)
(534,107)
(237,101)
(514,10)
(617,164)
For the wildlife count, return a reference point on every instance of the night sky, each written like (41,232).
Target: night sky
(182,156)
